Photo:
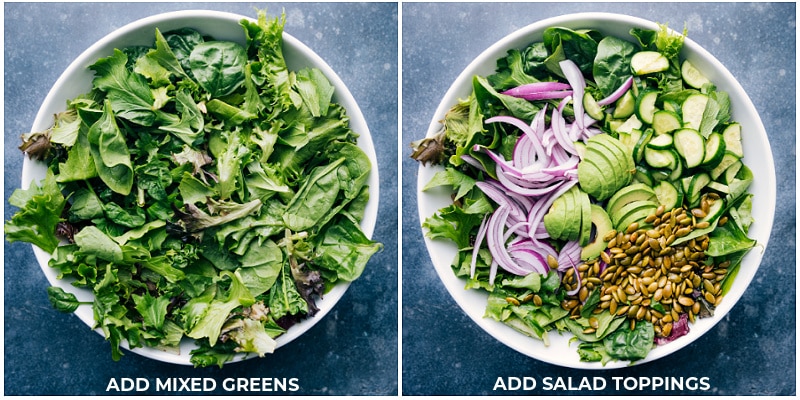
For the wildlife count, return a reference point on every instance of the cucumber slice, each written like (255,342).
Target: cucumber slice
(646,106)
(624,106)
(661,142)
(629,124)
(665,122)
(668,195)
(648,62)
(638,149)
(643,176)
(690,145)
(629,139)
(715,150)
(731,172)
(696,185)
(727,160)
(733,139)
(659,158)
(692,76)
(692,110)
(677,169)
(719,187)
(591,107)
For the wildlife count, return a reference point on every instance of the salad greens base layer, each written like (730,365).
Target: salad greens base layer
(201,189)
(611,91)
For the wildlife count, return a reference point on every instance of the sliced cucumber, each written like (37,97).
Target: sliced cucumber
(630,124)
(733,139)
(727,160)
(690,145)
(692,110)
(719,187)
(646,106)
(591,107)
(648,62)
(661,142)
(668,195)
(659,158)
(643,175)
(692,76)
(677,170)
(665,122)
(715,210)
(638,149)
(715,150)
(731,172)
(625,106)
(696,185)
(629,139)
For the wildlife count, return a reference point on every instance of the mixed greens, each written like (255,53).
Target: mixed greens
(574,141)
(201,189)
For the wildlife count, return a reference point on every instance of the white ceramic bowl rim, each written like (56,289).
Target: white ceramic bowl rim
(76,80)
(561,352)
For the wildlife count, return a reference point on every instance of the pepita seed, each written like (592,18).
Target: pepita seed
(685,301)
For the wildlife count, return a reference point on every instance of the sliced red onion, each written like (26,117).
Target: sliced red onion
(578,82)
(530,259)
(501,199)
(537,87)
(478,240)
(616,94)
(522,126)
(494,239)
(473,162)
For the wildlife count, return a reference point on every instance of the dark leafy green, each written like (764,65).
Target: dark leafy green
(201,189)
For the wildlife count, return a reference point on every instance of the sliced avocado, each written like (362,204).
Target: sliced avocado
(633,212)
(637,216)
(625,167)
(628,194)
(555,218)
(590,178)
(569,207)
(572,221)
(586,217)
(605,165)
(601,226)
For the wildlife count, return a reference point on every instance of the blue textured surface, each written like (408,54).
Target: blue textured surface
(752,351)
(352,351)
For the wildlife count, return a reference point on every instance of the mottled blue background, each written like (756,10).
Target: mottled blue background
(352,351)
(752,351)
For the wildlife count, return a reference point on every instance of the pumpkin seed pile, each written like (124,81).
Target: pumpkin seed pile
(649,278)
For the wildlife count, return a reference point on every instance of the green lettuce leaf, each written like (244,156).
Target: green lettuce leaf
(40,211)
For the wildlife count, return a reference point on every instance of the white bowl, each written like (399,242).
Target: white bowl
(758,156)
(77,79)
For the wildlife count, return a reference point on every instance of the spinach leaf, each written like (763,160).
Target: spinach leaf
(218,66)
(626,344)
(284,299)
(180,43)
(343,249)
(510,72)
(579,46)
(63,301)
(315,89)
(110,153)
(612,64)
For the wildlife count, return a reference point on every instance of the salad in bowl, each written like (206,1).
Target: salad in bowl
(587,191)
